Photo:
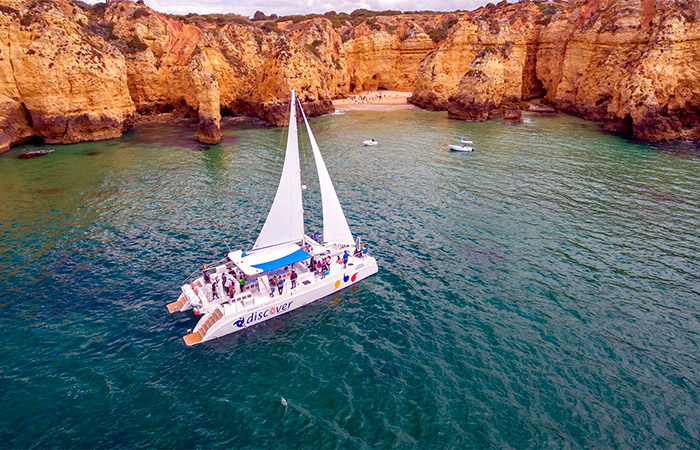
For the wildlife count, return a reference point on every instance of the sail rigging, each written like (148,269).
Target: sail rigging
(278,277)
(335,225)
(285,221)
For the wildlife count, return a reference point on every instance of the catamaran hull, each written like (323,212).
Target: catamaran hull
(289,301)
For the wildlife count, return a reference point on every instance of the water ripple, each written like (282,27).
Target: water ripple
(540,292)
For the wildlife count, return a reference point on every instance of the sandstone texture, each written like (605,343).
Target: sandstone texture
(72,72)
(632,64)
(58,81)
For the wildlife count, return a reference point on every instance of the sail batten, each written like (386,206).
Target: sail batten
(335,225)
(285,221)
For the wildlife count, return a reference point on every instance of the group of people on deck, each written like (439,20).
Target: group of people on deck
(278,281)
(320,265)
(232,281)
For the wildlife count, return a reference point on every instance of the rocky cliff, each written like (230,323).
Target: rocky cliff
(72,72)
(58,81)
(629,63)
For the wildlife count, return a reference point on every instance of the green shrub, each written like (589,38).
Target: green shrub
(137,44)
(437,34)
(313,48)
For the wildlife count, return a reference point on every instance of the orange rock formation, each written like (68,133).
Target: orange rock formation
(71,72)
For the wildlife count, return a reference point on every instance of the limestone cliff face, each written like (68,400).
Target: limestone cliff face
(71,72)
(238,68)
(630,63)
(633,64)
(493,81)
(49,86)
(387,58)
(489,48)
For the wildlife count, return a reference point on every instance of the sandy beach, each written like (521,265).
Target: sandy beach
(372,100)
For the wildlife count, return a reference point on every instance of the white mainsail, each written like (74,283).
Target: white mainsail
(285,221)
(335,226)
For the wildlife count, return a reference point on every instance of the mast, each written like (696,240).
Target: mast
(335,225)
(285,221)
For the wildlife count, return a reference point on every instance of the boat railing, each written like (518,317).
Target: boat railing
(211,270)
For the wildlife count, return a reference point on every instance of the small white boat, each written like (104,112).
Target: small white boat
(275,276)
(370,143)
(467,146)
(461,148)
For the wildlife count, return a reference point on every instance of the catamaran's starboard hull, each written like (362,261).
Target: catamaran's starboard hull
(233,321)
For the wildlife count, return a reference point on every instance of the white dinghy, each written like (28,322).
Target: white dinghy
(461,148)
(239,292)
(466,146)
(370,142)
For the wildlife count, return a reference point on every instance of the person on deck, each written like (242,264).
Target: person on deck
(205,274)
(228,286)
(346,255)
(273,283)
(364,250)
(293,278)
(280,285)
(241,282)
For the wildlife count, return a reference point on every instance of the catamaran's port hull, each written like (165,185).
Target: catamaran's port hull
(267,308)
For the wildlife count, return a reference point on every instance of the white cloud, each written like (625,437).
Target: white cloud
(282,7)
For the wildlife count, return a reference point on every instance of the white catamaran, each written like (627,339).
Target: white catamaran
(285,269)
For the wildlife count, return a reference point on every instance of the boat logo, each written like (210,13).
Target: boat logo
(260,315)
(346,278)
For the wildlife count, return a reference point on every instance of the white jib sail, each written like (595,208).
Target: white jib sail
(285,221)
(335,226)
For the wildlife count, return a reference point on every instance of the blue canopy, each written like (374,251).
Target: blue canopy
(287,260)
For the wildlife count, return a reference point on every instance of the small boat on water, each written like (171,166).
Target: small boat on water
(370,142)
(34,154)
(466,146)
(285,269)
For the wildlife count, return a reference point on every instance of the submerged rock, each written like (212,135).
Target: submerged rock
(513,116)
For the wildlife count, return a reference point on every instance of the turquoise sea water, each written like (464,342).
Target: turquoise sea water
(543,291)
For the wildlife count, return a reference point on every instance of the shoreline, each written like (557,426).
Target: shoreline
(374,101)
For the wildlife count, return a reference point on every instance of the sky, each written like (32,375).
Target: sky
(286,7)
